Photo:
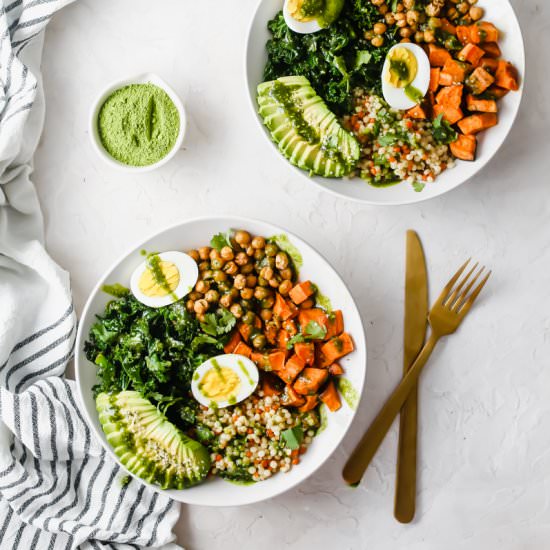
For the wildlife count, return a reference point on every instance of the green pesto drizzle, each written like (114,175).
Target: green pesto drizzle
(246,373)
(218,369)
(153,264)
(349,393)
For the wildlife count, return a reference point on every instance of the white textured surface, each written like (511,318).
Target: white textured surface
(485,435)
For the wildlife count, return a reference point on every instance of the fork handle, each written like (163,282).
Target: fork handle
(367,447)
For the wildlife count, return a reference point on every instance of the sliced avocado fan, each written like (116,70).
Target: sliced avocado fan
(148,444)
(305,130)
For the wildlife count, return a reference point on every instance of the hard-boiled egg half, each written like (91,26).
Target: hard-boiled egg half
(164,278)
(405,76)
(307,16)
(224,380)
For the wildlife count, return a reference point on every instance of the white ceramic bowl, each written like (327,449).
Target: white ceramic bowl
(500,13)
(100,100)
(192,234)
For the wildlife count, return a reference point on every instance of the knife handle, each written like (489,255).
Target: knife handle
(364,452)
(405,487)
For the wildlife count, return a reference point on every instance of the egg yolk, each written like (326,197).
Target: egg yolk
(402,67)
(220,383)
(160,281)
(305,10)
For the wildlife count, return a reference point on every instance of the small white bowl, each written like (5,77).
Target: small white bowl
(146,78)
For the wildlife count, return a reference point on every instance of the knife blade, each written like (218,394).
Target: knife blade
(415,325)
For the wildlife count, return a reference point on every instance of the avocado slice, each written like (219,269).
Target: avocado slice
(148,444)
(304,129)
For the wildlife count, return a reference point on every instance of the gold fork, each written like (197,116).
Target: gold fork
(445,317)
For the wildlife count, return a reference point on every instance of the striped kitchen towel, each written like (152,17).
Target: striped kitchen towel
(58,489)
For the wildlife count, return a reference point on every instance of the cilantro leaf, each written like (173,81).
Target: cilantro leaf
(442,131)
(219,323)
(362,57)
(313,331)
(418,186)
(221,239)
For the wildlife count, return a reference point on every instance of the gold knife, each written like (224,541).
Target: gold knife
(416,316)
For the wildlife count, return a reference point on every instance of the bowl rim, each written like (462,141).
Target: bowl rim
(418,197)
(101,97)
(360,340)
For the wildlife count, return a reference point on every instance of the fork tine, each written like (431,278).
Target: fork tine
(453,297)
(464,294)
(469,302)
(448,287)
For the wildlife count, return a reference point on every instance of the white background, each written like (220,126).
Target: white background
(485,419)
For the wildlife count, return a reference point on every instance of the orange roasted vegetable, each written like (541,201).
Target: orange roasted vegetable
(233,341)
(506,76)
(336,348)
(301,292)
(329,396)
(476,123)
(292,368)
(450,96)
(464,147)
(310,380)
(451,114)
(479,80)
(311,403)
(474,103)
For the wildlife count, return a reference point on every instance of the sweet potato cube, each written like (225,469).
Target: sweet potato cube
(506,76)
(434,79)
(450,96)
(329,396)
(301,292)
(476,123)
(336,348)
(474,103)
(471,54)
(292,368)
(450,114)
(416,112)
(243,349)
(335,324)
(284,309)
(232,342)
(438,56)
(464,147)
(314,314)
(479,81)
(490,64)
(456,70)
(270,385)
(335,369)
(305,351)
(289,398)
(310,380)
(463,34)
(311,403)
(483,31)
(492,49)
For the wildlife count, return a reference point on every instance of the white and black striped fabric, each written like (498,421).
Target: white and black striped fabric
(58,489)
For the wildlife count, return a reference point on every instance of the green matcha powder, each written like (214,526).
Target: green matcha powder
(139,124)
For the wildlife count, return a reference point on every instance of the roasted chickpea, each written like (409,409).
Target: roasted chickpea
(250,250)
(242,238)
(204,252)
(275,282)
(258,242)
(220,276)
(377,2)
(212,296)
(241,258)
(400,7)
(239,282)
(383,9)
(400,23)
(452,13)
(251,280)
(236,310)
(217,263)
(208,274)
(262,281)
(227,253)
(246,269)
(419,36)
(260,293)
(267,273)
(226,301)
(267,303)
(214,254)
(379,28)
(378,41)
(224,286)
(271,249)
(476,13)
(195,295)
(231,268)
(247,293)
(285,287)
(259,254)
(201,306)
(390,18)
(190,305)
(463,7)
(368,35)
(412,18)
(266,314)
(247,304)
(281,260)
(201,317)
(194,254)
(286,273)
(202,286)
(409,4)
(259,341)
(204,266)
(406,32)
(234,293)
(429,36)
(249,317)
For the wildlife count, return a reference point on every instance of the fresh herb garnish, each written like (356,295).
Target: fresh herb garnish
(313,331)
(293,437)
(219,323)
(418,186)
(221,239)
(442,131)
(115,290)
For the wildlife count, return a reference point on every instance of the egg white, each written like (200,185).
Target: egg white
(300,27)
(188,271)
(396,97)
(230,361)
